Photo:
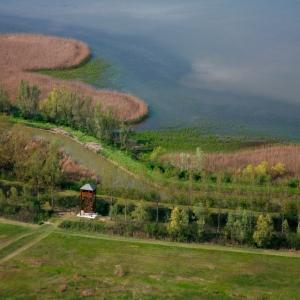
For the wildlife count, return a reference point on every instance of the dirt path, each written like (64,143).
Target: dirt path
(45,233)
(5,244)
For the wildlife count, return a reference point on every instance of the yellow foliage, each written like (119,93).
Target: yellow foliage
(262,168)
(249,171)
(278,170)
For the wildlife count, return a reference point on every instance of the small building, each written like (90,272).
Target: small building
(87,201)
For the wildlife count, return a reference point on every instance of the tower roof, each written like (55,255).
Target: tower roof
(88,187)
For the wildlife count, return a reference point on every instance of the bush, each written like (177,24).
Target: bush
(93,226)
(227,178)
(156,230)
(294,240)
(213,178)
(293,183)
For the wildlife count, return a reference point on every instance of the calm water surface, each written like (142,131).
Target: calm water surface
(230,65)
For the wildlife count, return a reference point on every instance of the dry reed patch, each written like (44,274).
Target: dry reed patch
(289,155)
(74,170)
(20,54)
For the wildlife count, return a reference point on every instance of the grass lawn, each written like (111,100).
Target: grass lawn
(71,267)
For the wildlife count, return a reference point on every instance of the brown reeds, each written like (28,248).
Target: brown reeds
(21,54)
(289,155)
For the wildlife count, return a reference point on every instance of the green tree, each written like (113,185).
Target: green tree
(13,198)
(52,171)
(229,227)
(201,215)
(285,227)
(263,231)
(5,104)
(3,201)
(178,225)
(114,211)
(124,134)
(156,153)
(246,223)
(140,213)
(28,99)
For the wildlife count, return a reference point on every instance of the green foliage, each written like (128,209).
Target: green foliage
(285,227)
(91,72)
(188,139)
(140,213)
(5,104)
(94,226)
(156,153)
(28,99)
(72,109)
(239,227)
(201,215)
(293,183)
(37,163)
(114,211)
(263,231)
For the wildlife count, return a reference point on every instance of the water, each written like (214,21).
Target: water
(230,65)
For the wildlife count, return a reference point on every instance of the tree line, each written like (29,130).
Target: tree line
(197,224)
(63,107)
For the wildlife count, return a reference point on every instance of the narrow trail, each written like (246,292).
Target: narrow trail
(27,246)
(6,244)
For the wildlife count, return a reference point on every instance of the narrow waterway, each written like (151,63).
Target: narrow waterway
(111,176)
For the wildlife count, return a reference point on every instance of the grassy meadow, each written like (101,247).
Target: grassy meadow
(71,266)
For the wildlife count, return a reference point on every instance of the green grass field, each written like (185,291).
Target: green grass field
(9,232)
(67,265)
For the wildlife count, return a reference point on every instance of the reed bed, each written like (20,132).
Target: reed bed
(22,54)
(234,162)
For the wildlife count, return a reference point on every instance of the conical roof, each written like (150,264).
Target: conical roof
(88,187)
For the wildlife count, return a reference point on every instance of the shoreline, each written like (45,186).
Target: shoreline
(21,55)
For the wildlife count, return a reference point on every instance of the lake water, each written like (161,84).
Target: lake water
(229,65)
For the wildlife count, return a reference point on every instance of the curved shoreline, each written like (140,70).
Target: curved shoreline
(22,54)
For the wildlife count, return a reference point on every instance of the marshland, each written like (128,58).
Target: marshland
(185,118)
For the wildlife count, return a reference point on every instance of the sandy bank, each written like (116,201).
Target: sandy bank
(22,53)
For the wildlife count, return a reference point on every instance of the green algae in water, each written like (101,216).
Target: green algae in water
(92,72)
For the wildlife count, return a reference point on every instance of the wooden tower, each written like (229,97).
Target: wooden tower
(87,198)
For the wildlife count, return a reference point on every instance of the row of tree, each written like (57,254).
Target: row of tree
(22,205)
(65,107)
(240,227)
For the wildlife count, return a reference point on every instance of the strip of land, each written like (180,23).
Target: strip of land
(60,264)
(22,54)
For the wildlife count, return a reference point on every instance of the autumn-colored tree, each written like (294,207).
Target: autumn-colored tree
(263,231)
(178,225)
